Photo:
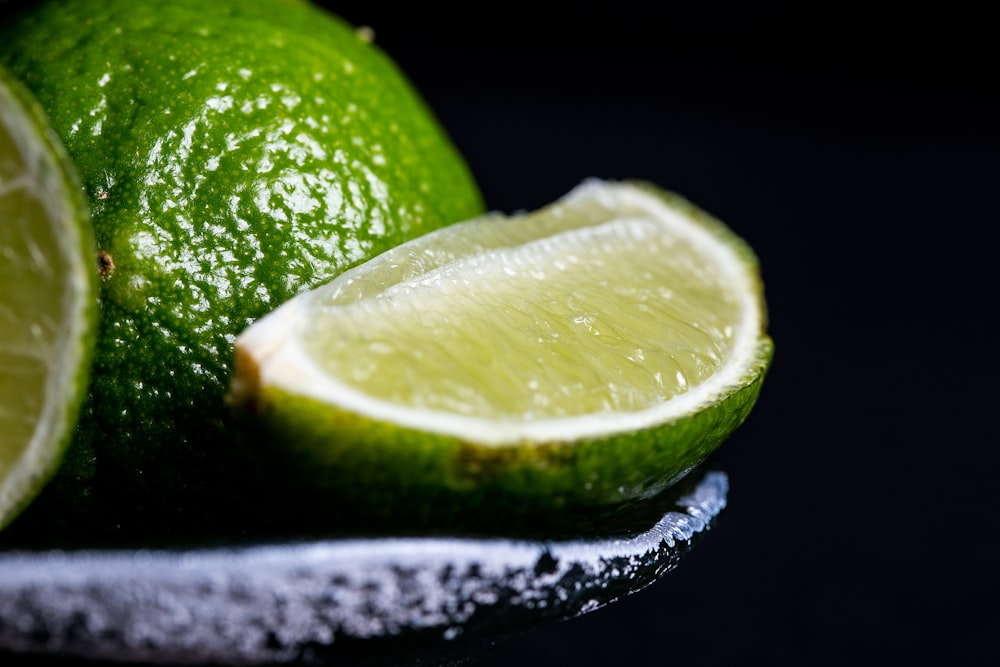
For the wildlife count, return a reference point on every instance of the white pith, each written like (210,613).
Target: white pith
(281,363)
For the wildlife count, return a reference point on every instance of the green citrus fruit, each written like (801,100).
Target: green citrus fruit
(48,298)
(234,153)
(581,357)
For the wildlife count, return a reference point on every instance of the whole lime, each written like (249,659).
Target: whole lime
(234,154)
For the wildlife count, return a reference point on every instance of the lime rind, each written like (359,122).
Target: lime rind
(51,183)
(390,466)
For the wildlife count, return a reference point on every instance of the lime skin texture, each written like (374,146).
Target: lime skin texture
(233,154)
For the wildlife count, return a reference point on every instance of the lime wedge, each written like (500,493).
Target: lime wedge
(581,356)
(47,299)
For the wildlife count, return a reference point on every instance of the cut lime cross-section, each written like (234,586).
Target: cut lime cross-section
(47,298)
(578,357)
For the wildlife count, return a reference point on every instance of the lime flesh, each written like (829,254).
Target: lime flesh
(585,355)
(47,299)
(513,333)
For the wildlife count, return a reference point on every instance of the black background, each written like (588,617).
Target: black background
(858,154)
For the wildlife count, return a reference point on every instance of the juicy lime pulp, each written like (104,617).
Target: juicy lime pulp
(47,299)
(584,355)
(234,153)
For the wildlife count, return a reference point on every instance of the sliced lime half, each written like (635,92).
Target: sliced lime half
(47,298)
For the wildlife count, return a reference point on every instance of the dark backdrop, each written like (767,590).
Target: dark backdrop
(858,154)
